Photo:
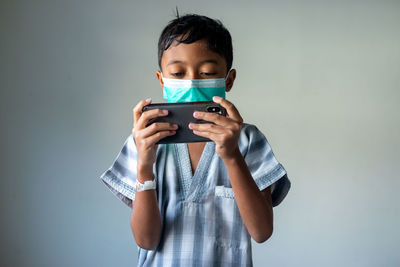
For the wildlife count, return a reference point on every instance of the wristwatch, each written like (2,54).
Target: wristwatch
(147,185)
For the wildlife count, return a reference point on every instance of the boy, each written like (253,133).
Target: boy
(197,204)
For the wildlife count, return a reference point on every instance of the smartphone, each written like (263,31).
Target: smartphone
(182,114)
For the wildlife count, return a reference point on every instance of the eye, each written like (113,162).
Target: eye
(208,73)
(177,74)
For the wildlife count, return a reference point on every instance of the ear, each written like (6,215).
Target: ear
(159,77)
(230,79)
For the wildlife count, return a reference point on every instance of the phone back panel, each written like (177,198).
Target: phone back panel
(182,115)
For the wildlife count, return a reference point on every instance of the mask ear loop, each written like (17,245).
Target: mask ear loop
(227,74)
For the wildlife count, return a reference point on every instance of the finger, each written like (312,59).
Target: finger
(137,110)
(157,127)
(212,117)
(207,127)
(231,110)
(212,136)
(151,140)
(150,114)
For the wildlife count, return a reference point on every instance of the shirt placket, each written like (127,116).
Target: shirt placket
(194,187)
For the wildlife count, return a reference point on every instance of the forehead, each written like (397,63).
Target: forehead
(190,53)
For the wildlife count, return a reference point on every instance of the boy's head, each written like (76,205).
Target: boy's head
(195,47)
(191,28)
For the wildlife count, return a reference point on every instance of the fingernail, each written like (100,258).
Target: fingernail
(165,111)
(195,114)
(148,100)
(190,125)
(216,98)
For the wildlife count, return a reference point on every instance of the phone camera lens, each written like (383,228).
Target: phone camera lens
(213,109)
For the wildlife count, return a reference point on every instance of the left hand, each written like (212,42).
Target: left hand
(226,130)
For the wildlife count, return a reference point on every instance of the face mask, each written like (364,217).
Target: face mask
(179,90)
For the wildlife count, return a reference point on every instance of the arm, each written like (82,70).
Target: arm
(145,219)
(255,206)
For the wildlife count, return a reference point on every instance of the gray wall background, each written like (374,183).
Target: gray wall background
(319,78)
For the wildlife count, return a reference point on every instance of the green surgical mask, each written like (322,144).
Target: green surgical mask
(180,90)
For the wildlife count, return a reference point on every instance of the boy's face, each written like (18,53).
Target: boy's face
(194,61)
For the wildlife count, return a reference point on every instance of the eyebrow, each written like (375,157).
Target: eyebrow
(174,62)
(209,61)
(202,62)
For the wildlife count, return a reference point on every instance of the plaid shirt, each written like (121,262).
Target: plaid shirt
(201,223)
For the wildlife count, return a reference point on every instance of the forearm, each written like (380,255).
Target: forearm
(255,209)
(145,217)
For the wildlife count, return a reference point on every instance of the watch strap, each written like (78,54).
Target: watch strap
(147,185)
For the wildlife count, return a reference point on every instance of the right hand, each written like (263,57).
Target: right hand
(147,137)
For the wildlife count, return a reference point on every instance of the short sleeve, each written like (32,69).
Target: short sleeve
(120,178)
(262,163)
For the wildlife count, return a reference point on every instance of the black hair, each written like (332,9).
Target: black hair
(197,27)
